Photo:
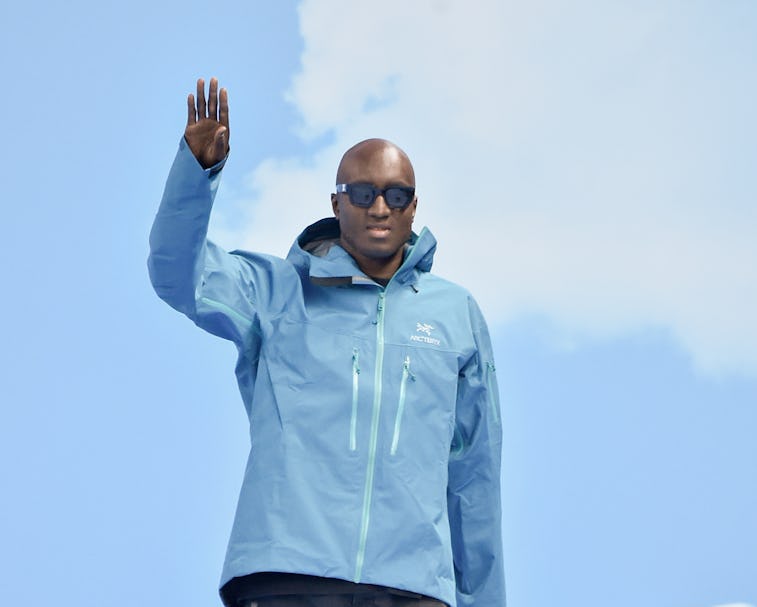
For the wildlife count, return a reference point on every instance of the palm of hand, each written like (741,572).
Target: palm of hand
(201,138)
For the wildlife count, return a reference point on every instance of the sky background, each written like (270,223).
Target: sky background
(588,168)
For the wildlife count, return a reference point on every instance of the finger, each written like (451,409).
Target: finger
(223,114)
(201,99)
(191,112)
(213,99)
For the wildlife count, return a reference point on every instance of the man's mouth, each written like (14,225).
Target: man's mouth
(378,230)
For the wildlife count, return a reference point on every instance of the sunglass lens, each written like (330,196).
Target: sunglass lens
(361,195)
(398,197)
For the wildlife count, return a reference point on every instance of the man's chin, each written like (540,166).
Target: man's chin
(375,252)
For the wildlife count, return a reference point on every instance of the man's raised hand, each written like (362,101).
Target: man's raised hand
(207,131)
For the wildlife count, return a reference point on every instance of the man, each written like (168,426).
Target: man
(373,474)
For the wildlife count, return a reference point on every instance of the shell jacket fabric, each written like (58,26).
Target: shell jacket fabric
(374,413)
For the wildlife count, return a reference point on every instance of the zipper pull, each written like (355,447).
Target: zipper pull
(355,365)
(406,368)
(379,308)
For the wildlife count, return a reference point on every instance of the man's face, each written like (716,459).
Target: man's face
(375,236)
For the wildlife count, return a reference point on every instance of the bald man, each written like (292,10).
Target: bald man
(369,384)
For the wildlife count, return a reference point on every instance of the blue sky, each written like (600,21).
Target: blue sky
(588,168)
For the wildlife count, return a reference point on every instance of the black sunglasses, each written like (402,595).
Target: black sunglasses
(364,194)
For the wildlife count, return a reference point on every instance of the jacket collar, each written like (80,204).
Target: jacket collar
(317,254)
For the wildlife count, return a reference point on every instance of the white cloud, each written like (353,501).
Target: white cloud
(593,164)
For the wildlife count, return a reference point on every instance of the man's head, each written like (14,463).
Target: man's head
(375,235)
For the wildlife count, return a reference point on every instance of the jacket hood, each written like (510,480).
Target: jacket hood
(317,254)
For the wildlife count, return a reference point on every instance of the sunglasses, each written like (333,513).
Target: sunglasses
(364,194)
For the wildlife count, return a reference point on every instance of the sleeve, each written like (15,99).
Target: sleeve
(221,292)
(473,490)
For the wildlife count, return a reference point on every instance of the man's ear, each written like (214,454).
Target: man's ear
(335,205)
(415,206)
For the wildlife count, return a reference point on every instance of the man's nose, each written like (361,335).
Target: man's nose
(379,206)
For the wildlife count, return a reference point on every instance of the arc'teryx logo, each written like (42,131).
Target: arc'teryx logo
(425,328)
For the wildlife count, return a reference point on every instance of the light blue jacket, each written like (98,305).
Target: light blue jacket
(374,414)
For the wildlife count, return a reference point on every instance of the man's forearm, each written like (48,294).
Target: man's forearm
(177,238)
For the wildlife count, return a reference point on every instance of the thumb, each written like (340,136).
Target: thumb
(219,144)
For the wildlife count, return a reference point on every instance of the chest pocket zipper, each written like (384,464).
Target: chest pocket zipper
(490,369)
(355,394)
(406,374)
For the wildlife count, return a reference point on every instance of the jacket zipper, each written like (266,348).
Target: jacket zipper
(406,373)
(374,438)
(353,417)
(490,369)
